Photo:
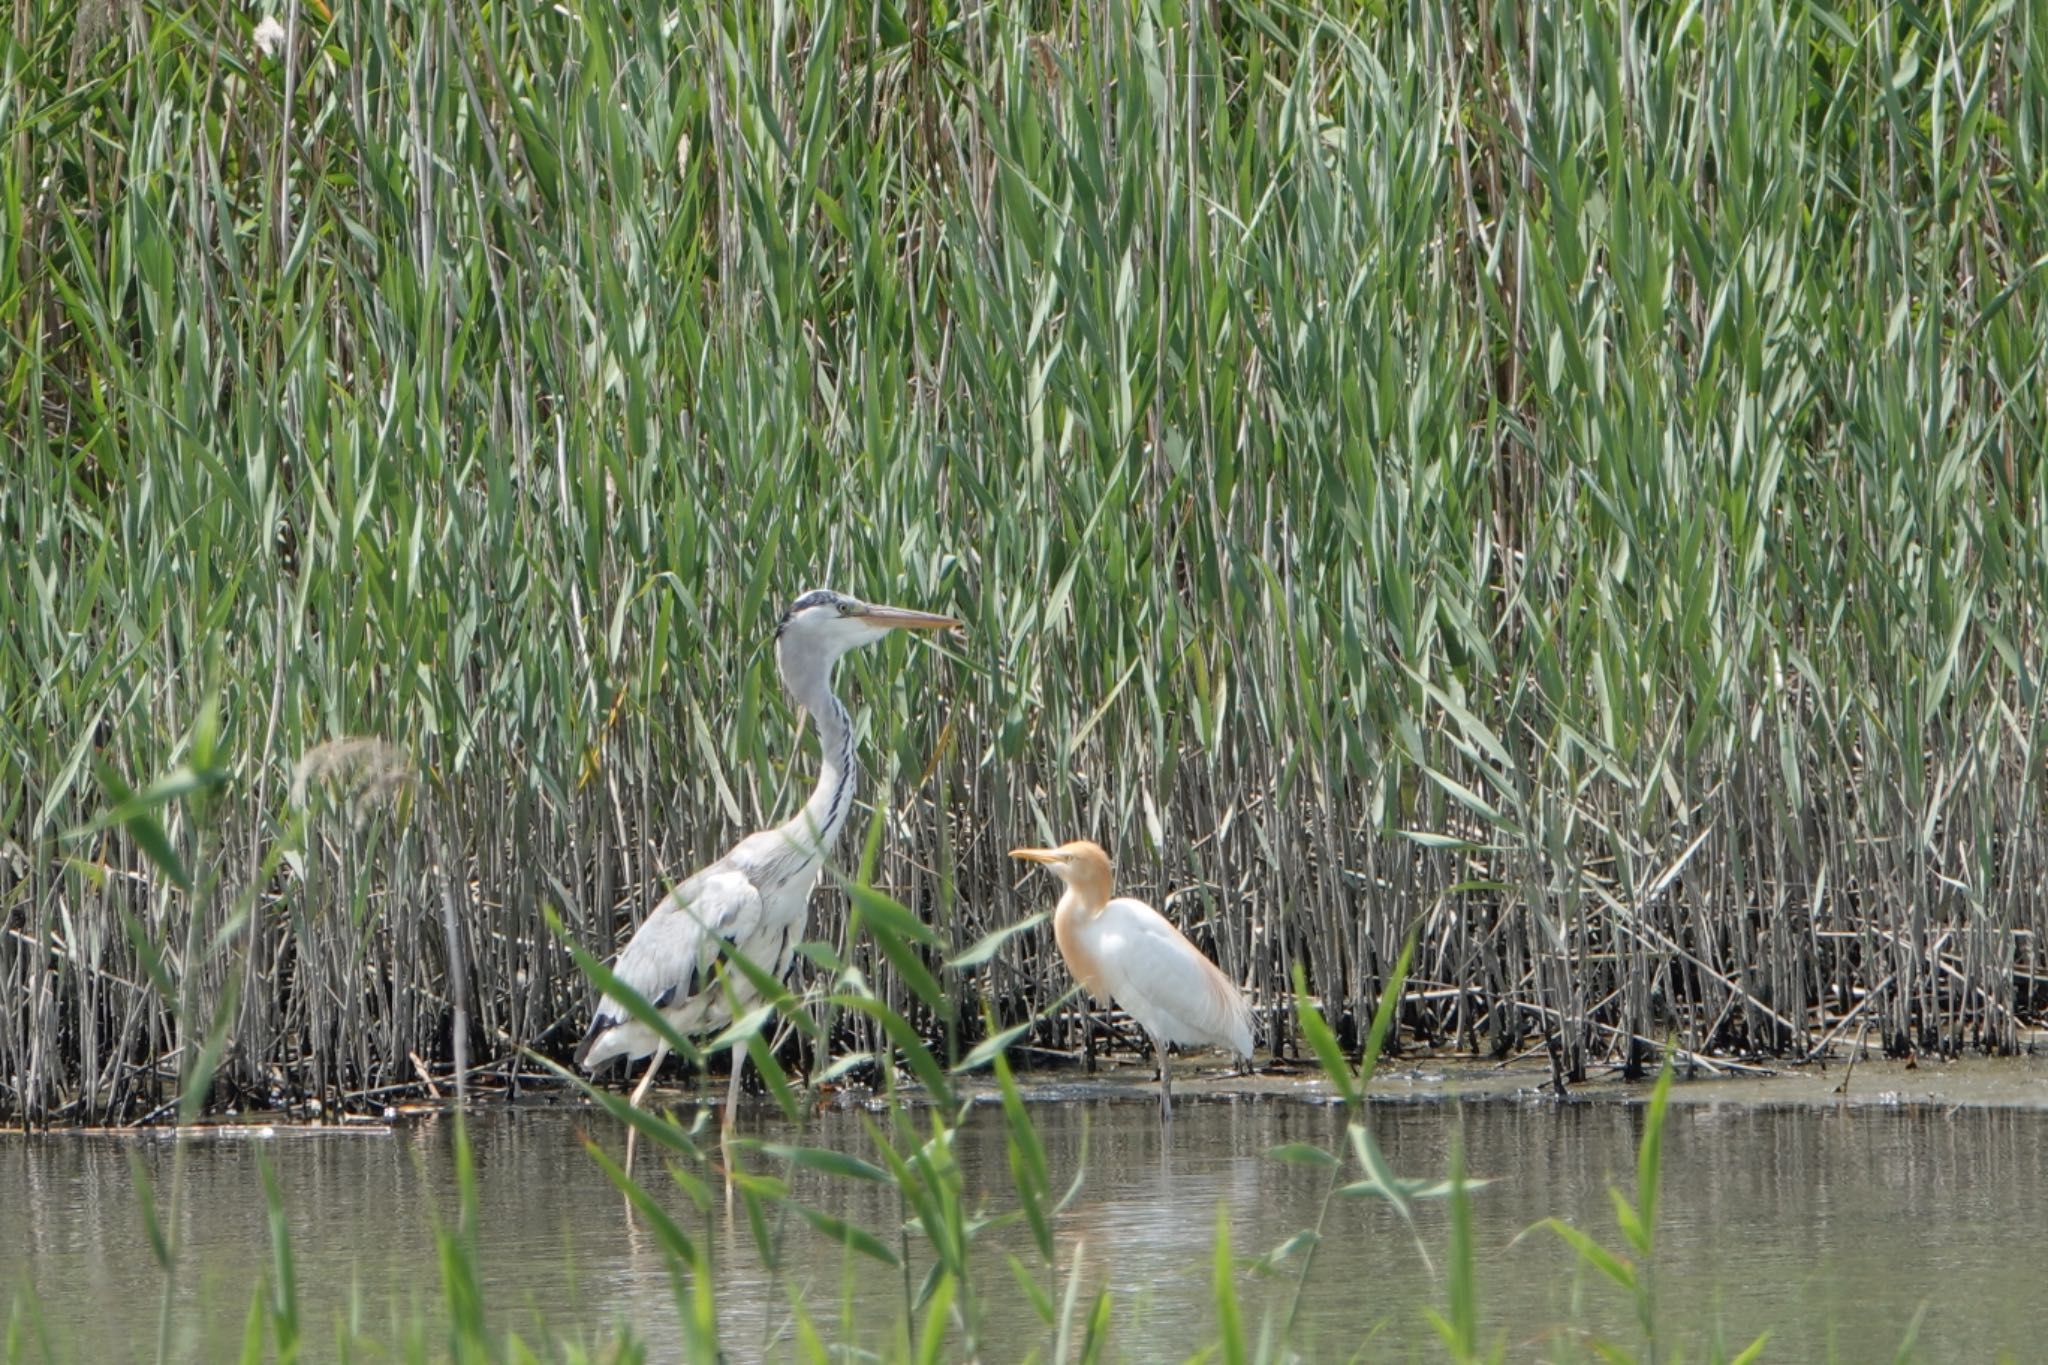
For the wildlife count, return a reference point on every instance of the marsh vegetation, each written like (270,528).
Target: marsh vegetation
(1558,479)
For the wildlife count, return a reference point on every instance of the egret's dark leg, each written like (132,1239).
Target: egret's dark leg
(640,1093)
(1165,1082)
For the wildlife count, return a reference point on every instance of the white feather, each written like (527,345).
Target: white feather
(1162,980)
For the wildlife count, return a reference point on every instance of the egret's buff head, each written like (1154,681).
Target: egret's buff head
(822,625)
(1080,863)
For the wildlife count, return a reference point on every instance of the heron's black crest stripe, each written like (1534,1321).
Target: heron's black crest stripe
(816,597)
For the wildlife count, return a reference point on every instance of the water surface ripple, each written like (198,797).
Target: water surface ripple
(1831,1226)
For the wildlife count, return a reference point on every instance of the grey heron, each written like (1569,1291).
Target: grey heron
(755,898)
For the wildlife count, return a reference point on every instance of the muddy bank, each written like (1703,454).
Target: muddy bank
(1992,1082)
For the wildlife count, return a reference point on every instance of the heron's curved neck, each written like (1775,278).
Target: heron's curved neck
(816,827)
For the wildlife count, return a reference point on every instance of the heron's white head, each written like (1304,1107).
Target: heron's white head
(1080,863)
(822,625)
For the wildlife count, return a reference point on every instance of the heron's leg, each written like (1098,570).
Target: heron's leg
(640,1093)
(732,1094)
(1165,1081)
(725,1120)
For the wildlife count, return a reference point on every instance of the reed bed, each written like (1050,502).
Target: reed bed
(1561,479)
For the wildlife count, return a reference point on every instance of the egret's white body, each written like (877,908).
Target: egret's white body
(1122,950)
(755,899)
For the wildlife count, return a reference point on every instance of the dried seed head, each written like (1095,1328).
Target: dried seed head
(269,37)
(367,771)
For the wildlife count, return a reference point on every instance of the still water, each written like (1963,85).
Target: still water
(1833,1226)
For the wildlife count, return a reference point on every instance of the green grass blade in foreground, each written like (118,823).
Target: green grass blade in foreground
(1459,1328)
(1380,1179)
(1033,1291)
(461,1284)
(928,1179)
(933,1338)
(1070,1302)
(1637,1221)
(252,1326)
(997,1043)
(894,930)
(1389,1006)
(145,1199)
(1649,1174)
(824,1159)
(695,1301)
(1095,1341)
(198,1084)
(1650,1158)
(655,1126)
(283,1297)
(991,943)
(1299,1243)
(1752,1353)
(771,990)
(1351,1087)
(907,1042)
(1615,1268)
(1028,1169)
(776,1079)
(1324,1043)
(848,1235)
(674,1241)
(136,812)
(755,1197)
(1223,1283)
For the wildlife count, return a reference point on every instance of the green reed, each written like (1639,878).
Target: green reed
(1567,472)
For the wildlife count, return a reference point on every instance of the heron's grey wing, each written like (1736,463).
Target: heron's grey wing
(669,962)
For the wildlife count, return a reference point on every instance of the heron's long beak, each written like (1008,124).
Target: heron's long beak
(903,618)
(1036,855)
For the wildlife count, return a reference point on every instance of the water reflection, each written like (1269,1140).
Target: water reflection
(1830,1226)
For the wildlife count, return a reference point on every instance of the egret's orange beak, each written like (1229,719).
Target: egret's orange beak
(903,618)
(1048,856)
